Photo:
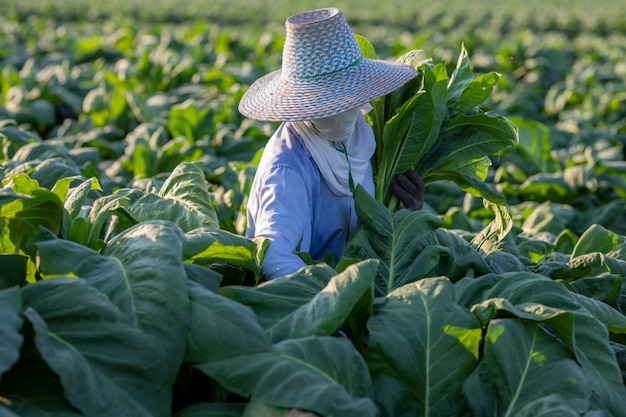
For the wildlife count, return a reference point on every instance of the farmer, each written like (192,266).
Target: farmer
(301,197)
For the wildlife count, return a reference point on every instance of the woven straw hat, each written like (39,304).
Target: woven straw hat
(323,73)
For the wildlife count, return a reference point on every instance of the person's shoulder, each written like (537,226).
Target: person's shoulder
(285,148)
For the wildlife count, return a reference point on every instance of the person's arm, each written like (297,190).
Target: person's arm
(283,216)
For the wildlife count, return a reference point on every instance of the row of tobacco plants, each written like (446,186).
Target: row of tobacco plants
(127,287)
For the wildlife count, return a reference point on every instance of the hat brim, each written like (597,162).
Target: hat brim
(277,98)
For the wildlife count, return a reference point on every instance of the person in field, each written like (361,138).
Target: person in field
(301,197)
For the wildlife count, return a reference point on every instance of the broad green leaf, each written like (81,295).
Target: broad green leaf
(102,210)
(537,298)
(605,287)
(390,142)
(301,305)
(77,196)
(106,365)
(545,187)
(15,137)
(325,375)
(468,177)
(8,195)
(10,326)
(597,239)
(50,171)
(141,273)
(468,138)
(153,109)
(461,76)
(403,241)
(187,120)
(23,216)
(597,358)
(207,246)
(534,147)
(497,234)
(204,276)
(419,128)
(590,264)
(463,260)
(183,199)
(550,217)
(614,320)
(34,390)
(422,347)
(607,215)
(394,100)
(521,363)
(549,406)
(516,289)
(62,186)
(367,49)
(477,91)
(41,151)
(221,328)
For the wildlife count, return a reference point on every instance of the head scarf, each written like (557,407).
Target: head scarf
(341,146)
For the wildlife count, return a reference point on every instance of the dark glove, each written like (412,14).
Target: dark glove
(409,188)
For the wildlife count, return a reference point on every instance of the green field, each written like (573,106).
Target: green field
(127,287)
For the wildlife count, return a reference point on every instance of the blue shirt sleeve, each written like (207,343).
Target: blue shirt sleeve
(283,216)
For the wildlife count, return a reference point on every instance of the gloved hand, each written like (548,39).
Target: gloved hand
(409,188)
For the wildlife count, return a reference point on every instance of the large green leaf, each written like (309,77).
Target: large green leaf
(422,347)
(23,216)
(326,375)
(534,150)
(521,363)
(610,316)
(77,196)
(220,326)
(549,406)
(590,264)
(107,365)
(477,91)
(410,134)
(468,138)
(461,77)
(183,199)
(323,374)
(34,390)
(10,326)
(141,273)
(186,119)
(597,239)
(403,241)
(48,172)
(537,298)
(207,246)
(313,302)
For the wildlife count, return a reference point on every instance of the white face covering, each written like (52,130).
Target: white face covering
(337,128)
(341,146)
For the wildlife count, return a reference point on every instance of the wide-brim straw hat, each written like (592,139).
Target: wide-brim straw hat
(323,72)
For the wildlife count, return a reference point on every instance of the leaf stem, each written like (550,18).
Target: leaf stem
(393,203)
